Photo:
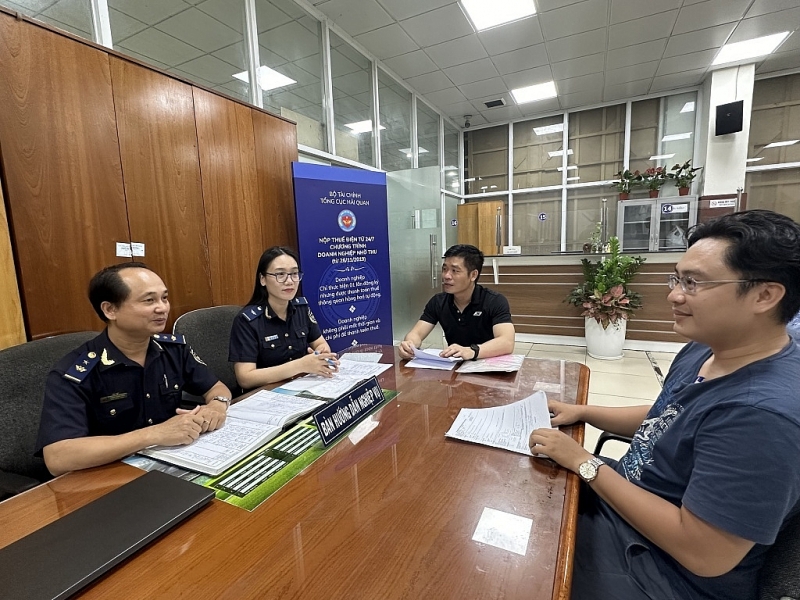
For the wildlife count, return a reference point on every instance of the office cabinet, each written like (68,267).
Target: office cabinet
(655,225)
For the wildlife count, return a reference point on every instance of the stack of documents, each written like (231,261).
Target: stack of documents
(507,363)
(508,427)
(430,359)
(350,373)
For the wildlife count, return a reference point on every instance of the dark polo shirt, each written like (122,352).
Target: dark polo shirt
(486,309)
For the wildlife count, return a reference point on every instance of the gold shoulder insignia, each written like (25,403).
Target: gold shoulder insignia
(104,358)
(92,355)
(80,368)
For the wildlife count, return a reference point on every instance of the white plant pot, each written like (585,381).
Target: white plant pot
(605,344)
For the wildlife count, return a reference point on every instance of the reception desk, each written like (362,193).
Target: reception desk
(388,512)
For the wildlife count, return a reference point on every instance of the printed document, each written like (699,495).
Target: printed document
(349,375)
(507,427)
(430,359)
(507,363)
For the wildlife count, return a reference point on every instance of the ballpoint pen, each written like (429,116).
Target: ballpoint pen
(331,364)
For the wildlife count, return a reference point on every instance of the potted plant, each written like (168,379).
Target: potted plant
(683,175)
(654,178)
(627,180)
(606,301)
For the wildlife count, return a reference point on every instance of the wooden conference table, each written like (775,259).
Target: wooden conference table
(391,515)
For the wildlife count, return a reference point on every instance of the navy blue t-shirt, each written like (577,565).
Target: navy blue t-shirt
(726,449)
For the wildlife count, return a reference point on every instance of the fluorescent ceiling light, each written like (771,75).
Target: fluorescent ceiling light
(573,178)
(555,153)
(661,156)
(779,144)
(755,159)
(749,48)
(532,93)
(268,79)
(547,129)
(569,168)
(362,126)
(676,136)
(407,151)
(484,14)
(688,107)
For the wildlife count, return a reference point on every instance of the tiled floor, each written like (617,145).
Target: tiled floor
(633,380)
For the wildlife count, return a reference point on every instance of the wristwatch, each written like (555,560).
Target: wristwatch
(588,470)
(476,349)
(227,401)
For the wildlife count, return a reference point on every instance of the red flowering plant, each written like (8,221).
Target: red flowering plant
(655,177)
(604,295)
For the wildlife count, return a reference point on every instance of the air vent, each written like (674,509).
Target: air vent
(495,103)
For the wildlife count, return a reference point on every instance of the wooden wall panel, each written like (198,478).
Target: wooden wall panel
(60,157)
(161,173)
(536,295)
(230,195)
(12,329)
(276,148)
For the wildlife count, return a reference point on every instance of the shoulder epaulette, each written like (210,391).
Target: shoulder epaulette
(82,366)
(169,338)
(300,301)
(253,312)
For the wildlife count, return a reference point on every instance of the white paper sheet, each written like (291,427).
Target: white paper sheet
(507,363)
(370,357)
(349,374)
(503,530)
(271,408)
(507,427)
(430,359)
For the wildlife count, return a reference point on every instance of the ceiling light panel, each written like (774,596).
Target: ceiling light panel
(749,48)
(532,93)
(268,79)
(484,14)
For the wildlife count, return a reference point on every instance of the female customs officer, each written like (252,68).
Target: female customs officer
(276,336)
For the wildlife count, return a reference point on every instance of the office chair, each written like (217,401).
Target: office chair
(208,331)
(23,373)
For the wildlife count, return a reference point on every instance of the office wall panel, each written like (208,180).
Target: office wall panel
(61,163)
(161,172)
(276,148)
(12,329)
(230,195)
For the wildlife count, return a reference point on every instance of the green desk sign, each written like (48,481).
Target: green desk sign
(340,415)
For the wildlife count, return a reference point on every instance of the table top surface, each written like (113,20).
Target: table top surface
(388,515)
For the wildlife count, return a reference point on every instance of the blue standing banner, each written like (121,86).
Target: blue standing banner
(343,237)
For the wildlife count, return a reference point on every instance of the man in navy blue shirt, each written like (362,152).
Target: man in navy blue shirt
(120,392)
(712,475)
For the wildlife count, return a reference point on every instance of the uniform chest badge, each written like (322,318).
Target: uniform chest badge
(269,338)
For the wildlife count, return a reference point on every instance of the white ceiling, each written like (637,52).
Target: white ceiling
(595,50)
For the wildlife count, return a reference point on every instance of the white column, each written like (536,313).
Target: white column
(725,156)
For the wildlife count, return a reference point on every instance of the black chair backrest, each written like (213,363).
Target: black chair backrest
(780,576)
(208,331)
(23,373)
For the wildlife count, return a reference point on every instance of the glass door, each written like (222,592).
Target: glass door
(635,225)
(415,245)
(674,219)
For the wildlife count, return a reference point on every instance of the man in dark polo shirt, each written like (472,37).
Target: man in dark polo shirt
(476,321)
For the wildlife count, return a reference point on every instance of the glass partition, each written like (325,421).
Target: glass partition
(486,160)
(776,118)
(394,103)
(584,206)
(538,157)
(777,190)
(451,182)
(596,142)
(537,222)
(203,43)
(291,67)
(352,102)
(428,136)
(73,16)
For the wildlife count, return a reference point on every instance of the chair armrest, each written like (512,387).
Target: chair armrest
(606,436)
(12,484)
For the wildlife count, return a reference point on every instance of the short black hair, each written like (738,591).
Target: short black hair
(107,286)
(473,258)
(259,291)
(764,246)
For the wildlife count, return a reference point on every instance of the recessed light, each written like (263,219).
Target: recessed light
(569,168)
(547,129)
(362,126)
(407,151)
(747,49)
(484,15)
(688,107)
(779,144)
(676,136)
(661,156)
(533,93)
(555,153)
(755,159)
(268,79)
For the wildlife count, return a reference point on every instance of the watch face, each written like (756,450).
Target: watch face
(587,471)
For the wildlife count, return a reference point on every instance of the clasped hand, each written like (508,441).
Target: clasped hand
(558,445)
(187,425)
(320,363)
